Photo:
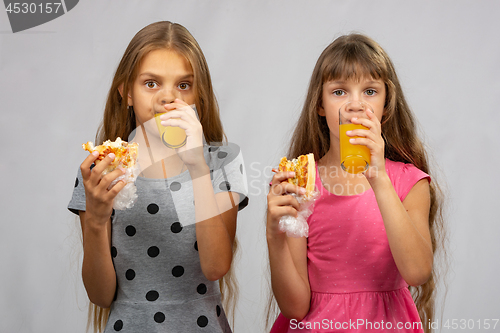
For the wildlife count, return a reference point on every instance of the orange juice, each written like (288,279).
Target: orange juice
(172,137)
(353,158)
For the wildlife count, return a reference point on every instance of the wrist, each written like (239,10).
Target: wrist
(276,244)
(199,169)
(95,223)
(276,238)
(380,181)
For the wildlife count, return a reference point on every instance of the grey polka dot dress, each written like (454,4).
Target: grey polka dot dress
(160,285)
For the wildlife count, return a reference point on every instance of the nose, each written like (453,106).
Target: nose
(166,96)
(355,105)
(161,98)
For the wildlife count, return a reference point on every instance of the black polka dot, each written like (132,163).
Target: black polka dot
(202,321)
(218,310)
(118,325)
(153,251)
(225,186)
(241,168)
(196,245)
(130,274)
(177,271)
(201,289)
(153,208)
(211,174)
(114,252)
(221,154)
(159,317)
(77,182)
(212,149)
(130,230)
(175,186)
(152,295)
(176,227)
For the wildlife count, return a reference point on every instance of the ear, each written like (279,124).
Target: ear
(129,98)
(321,111)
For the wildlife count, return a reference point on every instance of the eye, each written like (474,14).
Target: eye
(370,92)
(151,84)
(338,92)
(184,85)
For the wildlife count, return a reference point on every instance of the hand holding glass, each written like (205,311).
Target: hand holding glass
(353,158)
(171,136)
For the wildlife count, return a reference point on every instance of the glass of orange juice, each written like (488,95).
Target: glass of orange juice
(171,136)
(353,158)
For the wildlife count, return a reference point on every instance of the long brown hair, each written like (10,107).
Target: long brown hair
(119,120)
(355,56)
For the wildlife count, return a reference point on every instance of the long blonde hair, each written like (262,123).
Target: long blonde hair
(355,56)
(119,120)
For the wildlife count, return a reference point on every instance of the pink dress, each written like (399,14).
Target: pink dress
(355,284)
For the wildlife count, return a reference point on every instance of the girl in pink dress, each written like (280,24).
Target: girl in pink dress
(372,236)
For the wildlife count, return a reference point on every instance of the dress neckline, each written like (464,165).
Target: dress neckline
(322,189)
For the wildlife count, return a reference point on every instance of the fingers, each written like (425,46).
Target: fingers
(360,133)
(176,104)
(371,123)
(373,127)
(370,137)
(276,213)
(184,113)
(285,200)
(99,193)
(176,122)
(181,114)
(373,146)
(105,182)
(279,206)
(96,172)
(280,202)
(180,105)
(281,176)
(180,118)
(286,188)
(87,163)
(279,185)
(113,192)
(93,178)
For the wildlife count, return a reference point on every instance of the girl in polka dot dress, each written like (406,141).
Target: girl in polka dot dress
(371,235)
(154,267)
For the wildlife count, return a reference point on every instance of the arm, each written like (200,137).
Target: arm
(215,231)
(98,272)
(287,256)
(406,223)
(407,227)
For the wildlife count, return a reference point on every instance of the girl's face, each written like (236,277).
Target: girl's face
(165,72)
(338,92)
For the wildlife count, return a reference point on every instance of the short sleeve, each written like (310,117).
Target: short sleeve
(77,201)
(227,171)
(404,176)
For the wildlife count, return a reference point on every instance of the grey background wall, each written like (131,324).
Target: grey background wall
(53,83)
